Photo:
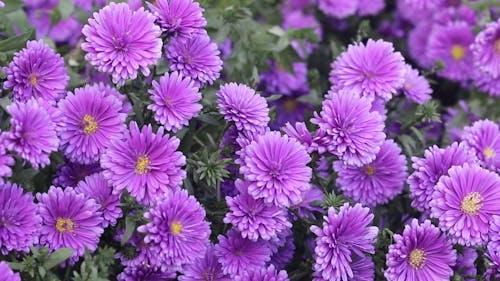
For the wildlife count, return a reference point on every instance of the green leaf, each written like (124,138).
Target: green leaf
(129,229)
(66,8)
(12,5)
(17,42)
(58,257)
(16,266)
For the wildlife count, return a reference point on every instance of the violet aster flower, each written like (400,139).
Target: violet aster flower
(288,110)
(486,50)
(483,138)
(465,263)
(429,169)
(344,236)
(487,83)
(354,133)
(420,253)
(338,8)
(5,271)
(450,45)
(90,121)
(300,132)
(370,7)
(416,87)
(177,231)
(418,38)
(263,274)
(275,167)
(6,160)
(238,255)
(136,253)
(36,71)
(110,91)
(32,134)
(255,218)
(206,267)
(196,57)
(464,202)
(146,164)
(372,70)
(179,17)
(70,174)
(305,208)
(417,11)
(175,101)
(97,188)
(240,104)
(376,182)
(123,47)
(69,220)
(144,273)
(279,81)
(297,19)
(363,269)
(19,217)
(2,4)
(283,249)
(493,254)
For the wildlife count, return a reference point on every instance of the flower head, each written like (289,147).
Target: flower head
(205,267)
(181,18)
(175,101)
(5,271)
(6,160)
(240,104)
(32,134)
(338,8)
(90,120)
(108,90)
(147,164)
(196,57)
(372,70)
(376,182)
(483,139)
(464,202)
(120,41)
(421,253)
(69,220)
(177,230)
(263,274)
(275,167)
(70,174)
(486,50)
(344,236)
(353,132)
(416,87)
(19,220)
(144,273)
(36,71)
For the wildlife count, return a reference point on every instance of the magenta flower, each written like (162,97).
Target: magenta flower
(70,174)
(370,7)
(36,71)
(5,271)
(486,50)
(175,101)
(120,41)
(416,87)
(464,202)
(111,91)
(181,18)
(148,165)
(204,267)
(371,70)
(422,253)
(263,274)
(483,139)
(338,8)
(145,273)
(275,167)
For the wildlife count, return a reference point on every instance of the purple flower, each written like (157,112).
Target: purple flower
(487,83)
(416,87)
(5,271)
(177,230)
(376,182)
(145,273)
(297,19)
(338,8)
(450,45)
(70,174)
(464,202)
(486,50)
(483,139)
(363,269)
(370,7)
(240,104)
(96,187)
(32,133)
(146,164)
(421,253)
(19,219)
(279,81)
(344,236)
(283,248)
(275,167)
(136,253)
(465,263)
(238,255)
(204,268)
(254,218)
(429,169)
(69,220)
(111,91)
(36,71)
(417,11)
(90,121)
(288,110)
(263,274)
(196,57)
(300,132)
(372,70)
(354,133)
(306,207)
(418,38)
(6,160)
(175,101)
(122,47)
(182,18)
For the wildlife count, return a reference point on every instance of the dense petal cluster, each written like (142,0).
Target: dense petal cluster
(204,267)
(5,271)
(181,18)
(120,41)
(338,8)
(6,160)
(263,274)
(486,50)
(416,87)
(70,174)
(483,139)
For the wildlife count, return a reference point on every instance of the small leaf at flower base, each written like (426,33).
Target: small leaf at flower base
(129,229)
(58,257)
(17,42)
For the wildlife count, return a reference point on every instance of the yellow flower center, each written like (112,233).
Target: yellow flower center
(290,105)
(141,167)
(489,153)
(458,52)
(168,100)
(370,170)
(417,258)
(176,227)
(33,80)
(497,46)
(64,225)
(471,203)
(407,86)
(90,126)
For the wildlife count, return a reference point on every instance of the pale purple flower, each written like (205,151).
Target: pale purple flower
(5,271)
(181,18)
(338,8)
(204,268)
(486,50)
(483,139)
(416,87)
